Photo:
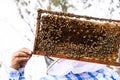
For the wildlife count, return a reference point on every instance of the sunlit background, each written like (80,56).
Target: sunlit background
(18,19)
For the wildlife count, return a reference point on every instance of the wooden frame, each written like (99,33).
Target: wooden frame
(39,52)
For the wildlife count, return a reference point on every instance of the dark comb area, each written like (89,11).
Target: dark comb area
(73,38)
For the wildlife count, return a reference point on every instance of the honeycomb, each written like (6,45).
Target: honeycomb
(65,36)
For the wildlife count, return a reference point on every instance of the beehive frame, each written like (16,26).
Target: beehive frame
(62,54)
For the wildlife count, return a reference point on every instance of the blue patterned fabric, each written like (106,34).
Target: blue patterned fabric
(97,75)
(17,75)
(101,74)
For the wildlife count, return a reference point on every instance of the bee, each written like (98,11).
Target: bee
(96,40)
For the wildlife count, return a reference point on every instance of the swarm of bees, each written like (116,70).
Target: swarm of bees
(70,37)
